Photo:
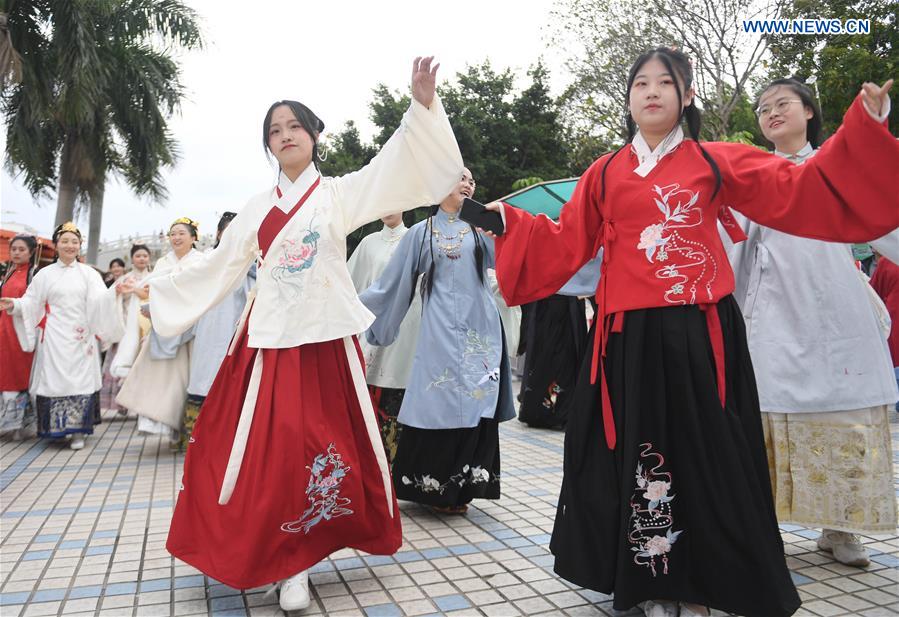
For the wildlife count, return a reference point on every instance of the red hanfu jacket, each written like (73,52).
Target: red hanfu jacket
(660,233)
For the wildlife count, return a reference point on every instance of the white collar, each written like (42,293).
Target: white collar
(292,191)
(393,235)
(649,158)
(805,152)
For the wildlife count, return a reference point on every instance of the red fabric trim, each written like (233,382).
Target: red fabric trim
(716,335)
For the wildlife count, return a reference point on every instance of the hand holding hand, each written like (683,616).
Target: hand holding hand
(875,97)
(5,304)
(424,80)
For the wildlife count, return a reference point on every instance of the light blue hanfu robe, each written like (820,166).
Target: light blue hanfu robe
(461,372)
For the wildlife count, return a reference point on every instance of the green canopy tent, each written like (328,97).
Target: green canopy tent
(544,197)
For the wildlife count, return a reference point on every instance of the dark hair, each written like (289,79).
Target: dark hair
(30,242)
(226,219)
(814,124)
(311,123)
(191,228)
(139,247)
(427,280)
(678,65)
(121,262)
(66,228)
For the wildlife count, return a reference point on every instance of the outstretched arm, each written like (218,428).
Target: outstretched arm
(845,193)
(536,256)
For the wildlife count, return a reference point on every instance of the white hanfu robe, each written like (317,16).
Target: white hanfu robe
(825,378)
(390,366)
(156,386)
(80,316)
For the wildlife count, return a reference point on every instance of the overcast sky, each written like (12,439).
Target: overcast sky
(328,54)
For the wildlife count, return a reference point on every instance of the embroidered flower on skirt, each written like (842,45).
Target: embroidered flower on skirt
(652,521)
(323,492)
(468,475)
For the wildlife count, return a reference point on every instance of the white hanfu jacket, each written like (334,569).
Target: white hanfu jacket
(813,323)
(82,316)
(304,293)
(385,367)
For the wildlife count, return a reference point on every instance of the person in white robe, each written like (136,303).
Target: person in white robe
(817,334)
(123,354)
(156,386)
(211,336)
(387,369)
(66,315)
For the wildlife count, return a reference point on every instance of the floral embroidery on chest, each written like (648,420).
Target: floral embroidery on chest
(327,473)
(651,524)
(688,264)
(296,254)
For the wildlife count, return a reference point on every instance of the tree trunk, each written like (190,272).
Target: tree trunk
(65,202)
(96,220)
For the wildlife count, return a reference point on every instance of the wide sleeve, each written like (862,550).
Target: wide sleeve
(104,314)
(845,193)
(389,297)
(418,166)
(888,245)
(535,256)
(179,299)
(28,310)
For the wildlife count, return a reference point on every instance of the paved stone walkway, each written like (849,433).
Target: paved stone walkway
(83,533)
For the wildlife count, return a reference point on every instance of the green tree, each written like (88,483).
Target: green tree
(98,86)
(839,64)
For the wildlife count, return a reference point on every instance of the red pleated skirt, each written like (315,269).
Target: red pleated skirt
(309,483)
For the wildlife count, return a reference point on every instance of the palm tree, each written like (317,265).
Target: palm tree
(98,85)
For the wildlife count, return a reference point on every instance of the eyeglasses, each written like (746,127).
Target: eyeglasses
(780,107)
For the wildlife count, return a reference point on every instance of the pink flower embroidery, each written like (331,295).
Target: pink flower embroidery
(651,237)
(657,490)
(657,545)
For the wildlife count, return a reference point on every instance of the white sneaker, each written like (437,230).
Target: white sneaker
(77,442)
(846,548)
(294,594)
(659,608)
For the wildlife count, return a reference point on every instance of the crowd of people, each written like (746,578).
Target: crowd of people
(694,320)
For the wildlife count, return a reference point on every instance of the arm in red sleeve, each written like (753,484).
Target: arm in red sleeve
(847,192)
(536,256)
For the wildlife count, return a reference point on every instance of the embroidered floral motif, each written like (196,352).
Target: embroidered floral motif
(479,379)
(468,475)
(323,492)
(296,256)
(651,521)
(692,263)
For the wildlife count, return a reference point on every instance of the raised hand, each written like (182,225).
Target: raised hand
(875,97)
(424,80)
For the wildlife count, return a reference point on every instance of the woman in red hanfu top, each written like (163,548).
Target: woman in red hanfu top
(665,497)
(285,465)
(16,412)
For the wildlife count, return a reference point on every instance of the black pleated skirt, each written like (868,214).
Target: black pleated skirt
(556,338)
(448,467)
(682,508)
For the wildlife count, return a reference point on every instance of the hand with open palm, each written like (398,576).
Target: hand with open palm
(424,80)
